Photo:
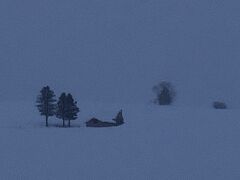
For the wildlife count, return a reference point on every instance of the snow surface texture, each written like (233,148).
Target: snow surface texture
(155,143)
(109,54)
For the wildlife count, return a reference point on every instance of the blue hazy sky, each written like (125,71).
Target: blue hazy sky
(109,50)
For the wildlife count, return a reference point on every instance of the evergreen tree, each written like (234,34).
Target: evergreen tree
(67,108)
(46,103)
(62,108)
(72,109)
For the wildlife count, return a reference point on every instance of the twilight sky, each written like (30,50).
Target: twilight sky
(111,50)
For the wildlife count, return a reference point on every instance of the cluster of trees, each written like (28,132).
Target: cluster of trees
(65,108)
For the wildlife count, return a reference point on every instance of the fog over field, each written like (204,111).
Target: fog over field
(111,51)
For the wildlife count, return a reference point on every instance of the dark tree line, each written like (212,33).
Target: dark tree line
(65,108)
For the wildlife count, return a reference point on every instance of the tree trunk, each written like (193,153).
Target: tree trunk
(69,123)
(46,121)
(63,123)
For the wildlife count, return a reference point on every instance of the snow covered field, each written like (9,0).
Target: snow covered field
(109,54)
(155,143)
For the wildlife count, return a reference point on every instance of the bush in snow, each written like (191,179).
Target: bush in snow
(219,105)
(165,93)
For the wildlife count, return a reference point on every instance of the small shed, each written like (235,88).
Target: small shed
(94,122)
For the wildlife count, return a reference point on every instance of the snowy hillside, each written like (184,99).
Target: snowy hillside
(109,54)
